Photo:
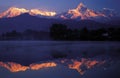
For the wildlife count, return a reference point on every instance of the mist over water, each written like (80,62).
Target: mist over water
(27,52)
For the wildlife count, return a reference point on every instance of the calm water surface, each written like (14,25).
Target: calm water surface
(33,51)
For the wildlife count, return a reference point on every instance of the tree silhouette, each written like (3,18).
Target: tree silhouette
(61,32)
(84,34)
(58,31)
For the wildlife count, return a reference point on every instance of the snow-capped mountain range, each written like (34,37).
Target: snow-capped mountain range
(81,12)
(14,11)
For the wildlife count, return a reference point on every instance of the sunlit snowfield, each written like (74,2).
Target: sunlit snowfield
(61,59)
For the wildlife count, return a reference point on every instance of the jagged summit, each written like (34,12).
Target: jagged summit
(81,5)
(81,8)
(81,12)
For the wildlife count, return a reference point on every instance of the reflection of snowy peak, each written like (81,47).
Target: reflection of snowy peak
(82,13)
(13,11)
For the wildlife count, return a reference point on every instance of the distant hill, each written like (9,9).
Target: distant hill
(20,19)
(26,21)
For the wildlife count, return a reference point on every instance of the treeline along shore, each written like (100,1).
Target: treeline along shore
(60,32)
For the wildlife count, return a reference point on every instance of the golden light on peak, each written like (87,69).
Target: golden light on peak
(14,11)
(39,12)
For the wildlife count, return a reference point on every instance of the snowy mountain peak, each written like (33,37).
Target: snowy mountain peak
(81,5)
(39,12)
(81,12)
(109,12)
(14,11)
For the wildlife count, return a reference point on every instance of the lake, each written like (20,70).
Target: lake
(27,52)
